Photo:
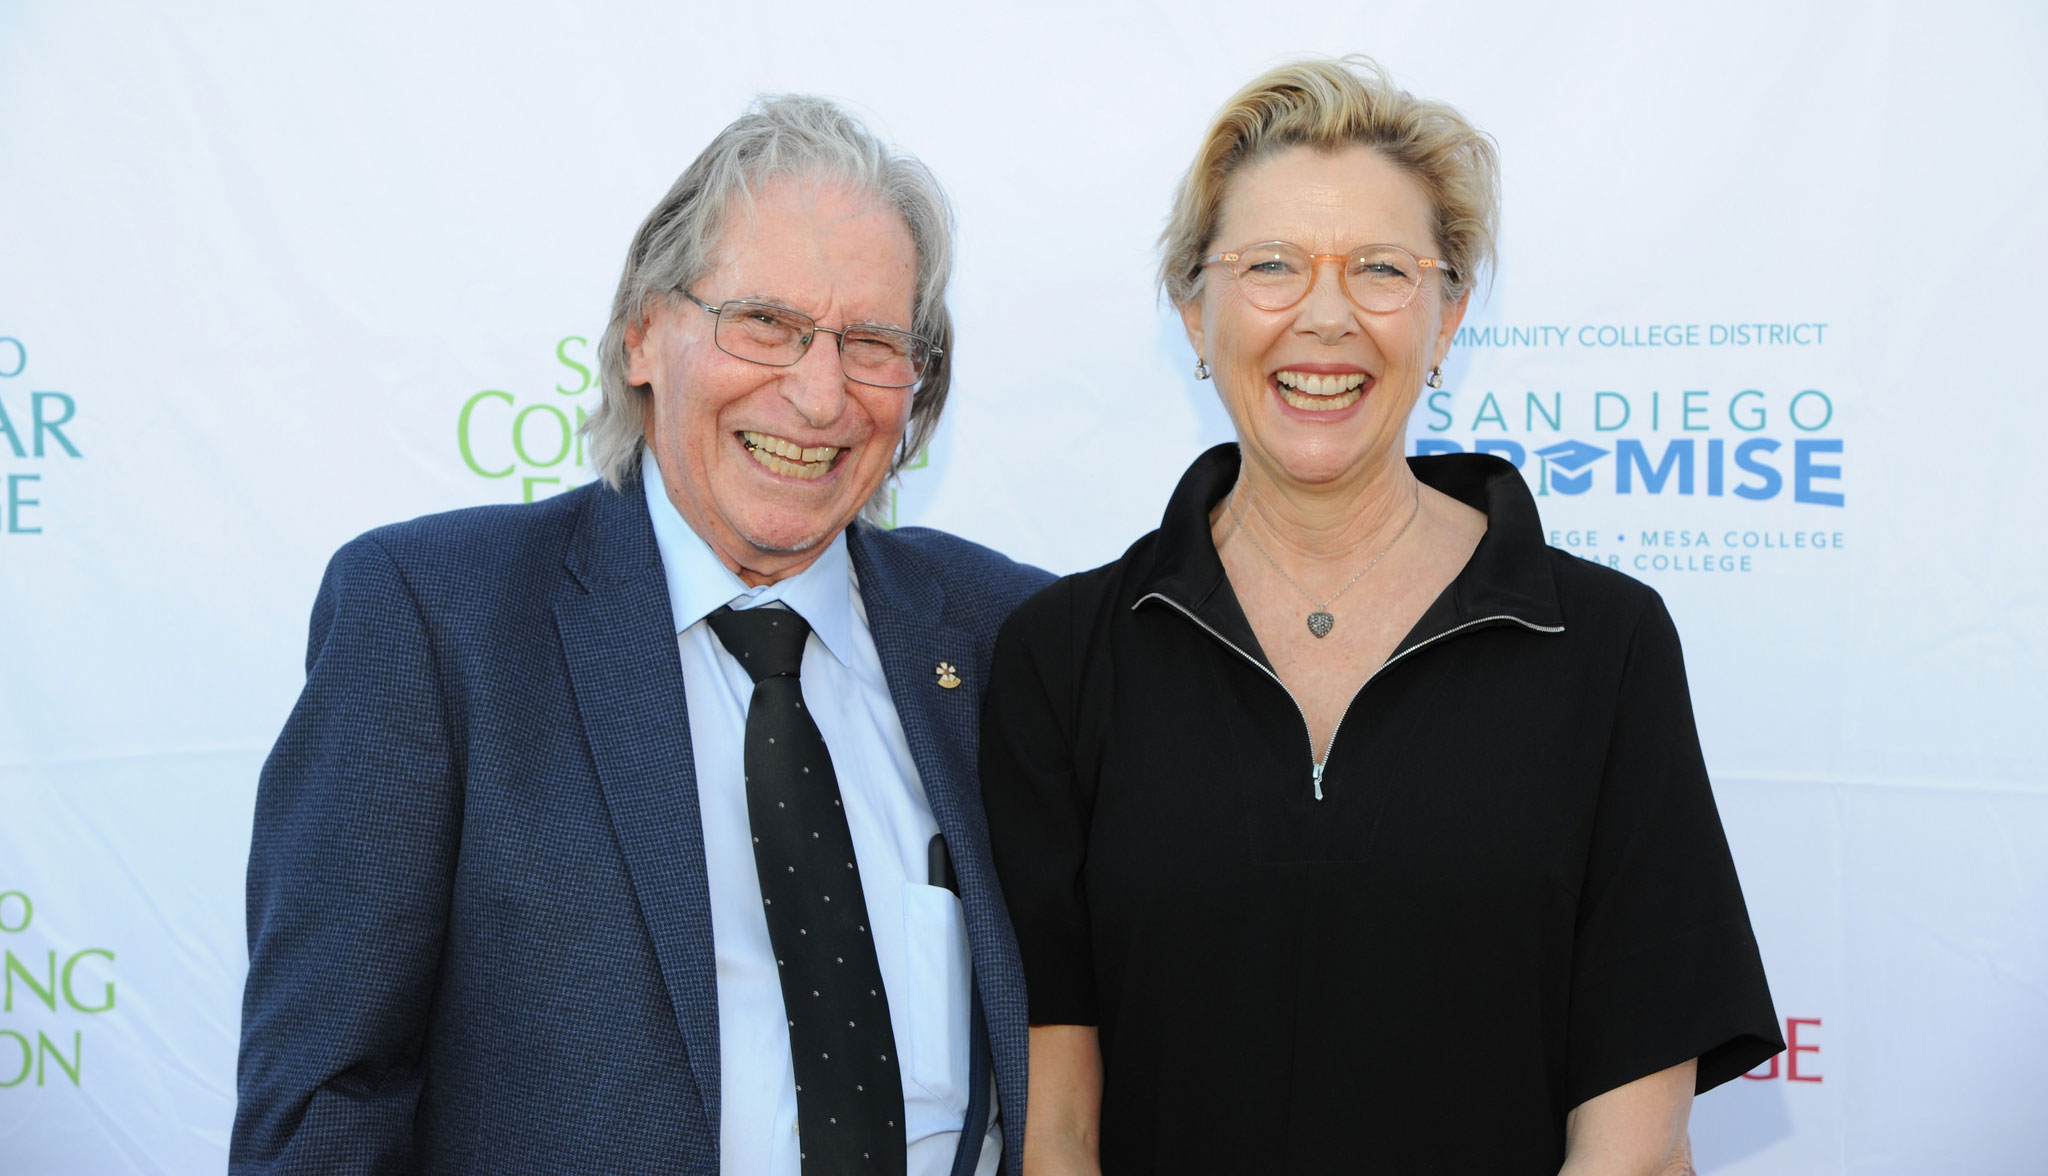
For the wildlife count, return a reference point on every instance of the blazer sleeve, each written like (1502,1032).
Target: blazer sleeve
(350,868)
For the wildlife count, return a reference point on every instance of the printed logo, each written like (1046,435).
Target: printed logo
(1727,478)
(533,442)
(44,996)
(36,430)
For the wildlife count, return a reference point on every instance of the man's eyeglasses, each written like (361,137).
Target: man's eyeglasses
(1274,275)
(762,332)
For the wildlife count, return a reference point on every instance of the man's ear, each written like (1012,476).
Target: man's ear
(638,359)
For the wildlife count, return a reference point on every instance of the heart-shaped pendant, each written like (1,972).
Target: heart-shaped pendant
(1320,623)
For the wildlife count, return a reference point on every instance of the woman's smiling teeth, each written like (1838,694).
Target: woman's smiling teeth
(1318,393)
(787,458)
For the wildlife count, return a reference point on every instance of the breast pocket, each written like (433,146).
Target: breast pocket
(936,1014)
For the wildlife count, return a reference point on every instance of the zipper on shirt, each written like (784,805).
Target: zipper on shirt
(1316,778)
(1318,766)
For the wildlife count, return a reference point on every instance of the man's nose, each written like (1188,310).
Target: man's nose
(815,384)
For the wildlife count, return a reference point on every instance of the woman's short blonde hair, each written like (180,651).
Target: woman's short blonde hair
(1329,105)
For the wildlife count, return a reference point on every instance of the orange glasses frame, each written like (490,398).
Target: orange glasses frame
(1314,259)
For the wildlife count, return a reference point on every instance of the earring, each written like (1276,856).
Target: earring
(1201,368)
(1435,378)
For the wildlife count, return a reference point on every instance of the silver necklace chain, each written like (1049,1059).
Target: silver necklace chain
(1320,622)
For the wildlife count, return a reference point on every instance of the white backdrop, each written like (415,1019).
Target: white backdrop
(271,275)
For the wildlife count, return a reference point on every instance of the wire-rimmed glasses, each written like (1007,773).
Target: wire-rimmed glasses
(764,333)
(1274,275)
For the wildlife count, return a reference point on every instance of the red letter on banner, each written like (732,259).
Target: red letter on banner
(1793,1049)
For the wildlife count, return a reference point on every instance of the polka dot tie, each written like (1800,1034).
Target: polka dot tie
(849,1089)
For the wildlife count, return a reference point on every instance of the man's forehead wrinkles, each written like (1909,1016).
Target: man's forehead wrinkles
(834,253)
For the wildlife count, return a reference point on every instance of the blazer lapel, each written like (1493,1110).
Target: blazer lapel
(905,614)
(620,644)
(906,607)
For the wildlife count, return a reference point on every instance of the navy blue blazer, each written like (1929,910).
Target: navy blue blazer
(479,921)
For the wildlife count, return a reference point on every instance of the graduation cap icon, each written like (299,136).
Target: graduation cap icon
(1568,465)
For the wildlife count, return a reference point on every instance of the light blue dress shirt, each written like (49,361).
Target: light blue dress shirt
(920,931)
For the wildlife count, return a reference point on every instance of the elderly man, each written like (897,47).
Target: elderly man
(637,830)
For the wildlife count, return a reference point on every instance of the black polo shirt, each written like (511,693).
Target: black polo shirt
(1513,895)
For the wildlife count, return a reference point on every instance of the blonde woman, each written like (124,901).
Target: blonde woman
(1345,825)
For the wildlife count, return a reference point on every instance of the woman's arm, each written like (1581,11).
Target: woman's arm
(1064,1110)
(1680,1163)
(1632,1130)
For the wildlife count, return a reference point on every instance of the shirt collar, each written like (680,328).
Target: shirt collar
(1508,575)
(699,583)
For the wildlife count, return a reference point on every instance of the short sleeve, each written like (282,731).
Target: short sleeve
(1665,967)
(1038,810)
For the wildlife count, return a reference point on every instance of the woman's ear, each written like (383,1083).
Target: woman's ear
(1447,330)
(1191,318)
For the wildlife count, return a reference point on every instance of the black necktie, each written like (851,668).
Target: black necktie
(849,1089)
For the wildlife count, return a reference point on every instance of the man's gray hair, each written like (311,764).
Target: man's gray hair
(781,136)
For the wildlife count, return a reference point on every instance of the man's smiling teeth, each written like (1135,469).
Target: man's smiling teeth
(1319,393)
(787,458)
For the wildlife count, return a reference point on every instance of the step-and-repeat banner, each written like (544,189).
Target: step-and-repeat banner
(1765,335)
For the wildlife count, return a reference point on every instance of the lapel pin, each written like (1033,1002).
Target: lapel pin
(948,676)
